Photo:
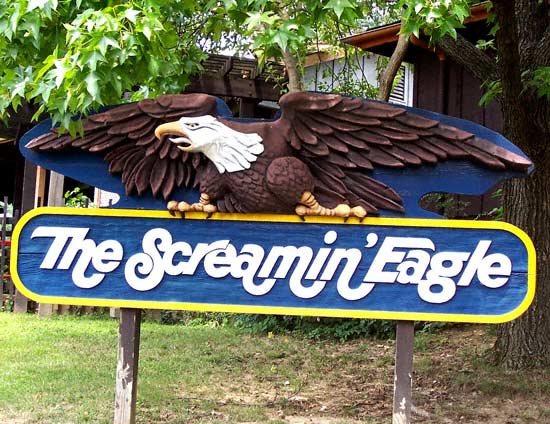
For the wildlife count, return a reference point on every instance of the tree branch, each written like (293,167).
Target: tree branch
(294,80)
(481,65)
(385,80)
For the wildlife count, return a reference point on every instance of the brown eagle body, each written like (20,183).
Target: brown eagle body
(271,185)
(274,182)
(317,153)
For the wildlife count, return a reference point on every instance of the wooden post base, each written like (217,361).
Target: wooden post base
(402,389)
(127,366)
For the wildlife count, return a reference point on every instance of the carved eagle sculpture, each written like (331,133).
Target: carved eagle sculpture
(314,159)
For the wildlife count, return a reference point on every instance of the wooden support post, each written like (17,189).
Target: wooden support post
(3,245)
(20,302)
(40,187)
(402,389)
(63,309)
(55,189)
(55,198)
(127,366)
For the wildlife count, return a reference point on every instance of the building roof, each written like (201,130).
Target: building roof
(237,77)
(381,39)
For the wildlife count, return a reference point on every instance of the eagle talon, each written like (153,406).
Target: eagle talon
(184,207)
(209,209)
(172,206)
(359,212)
(203,205)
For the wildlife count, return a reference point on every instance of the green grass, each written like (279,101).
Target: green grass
(61,370)
(50,369)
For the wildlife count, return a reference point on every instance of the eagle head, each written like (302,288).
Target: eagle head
(228,149)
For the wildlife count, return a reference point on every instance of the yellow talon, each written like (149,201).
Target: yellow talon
(301,210)
(359,212)
(202,206)
(172,205)
(184,207)
(342,211)
(209,208)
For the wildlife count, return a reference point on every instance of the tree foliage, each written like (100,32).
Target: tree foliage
(70,57)
(434,18)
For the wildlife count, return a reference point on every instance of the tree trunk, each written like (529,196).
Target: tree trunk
(525,342)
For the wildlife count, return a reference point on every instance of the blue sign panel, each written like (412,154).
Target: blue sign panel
(463,271)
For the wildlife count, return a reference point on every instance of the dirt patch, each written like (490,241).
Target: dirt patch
(454,382)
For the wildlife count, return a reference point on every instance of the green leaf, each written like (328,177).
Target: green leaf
(153,66)
(105,42)
(281,39)
(541,82)
(131,15)
(36,4)
(13,22)
(48,63)
(338,6)
(92,86)
(147,32)
(92,58)
(61,69)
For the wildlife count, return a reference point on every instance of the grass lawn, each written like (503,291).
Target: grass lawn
(62,370)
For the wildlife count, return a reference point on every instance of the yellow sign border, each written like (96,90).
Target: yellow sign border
(281,310)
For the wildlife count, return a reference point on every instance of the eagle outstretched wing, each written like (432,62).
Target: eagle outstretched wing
(345,143)
(125,136)
(342,137)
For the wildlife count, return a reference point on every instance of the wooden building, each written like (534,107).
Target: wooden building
(441,85)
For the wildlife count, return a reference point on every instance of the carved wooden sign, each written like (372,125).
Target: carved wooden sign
(438,270)
(336,158)
(325,154)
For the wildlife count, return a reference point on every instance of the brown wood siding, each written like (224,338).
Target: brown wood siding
(426,76)
(458,88)
(455,93)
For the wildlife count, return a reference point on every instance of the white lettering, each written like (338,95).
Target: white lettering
(386,255)
(353,258)
(439,275)
(496,265)
(435,273)
(66,245)
(251,255)
(144,271)
(403,260)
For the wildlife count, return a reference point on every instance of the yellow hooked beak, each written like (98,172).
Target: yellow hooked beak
(171,129)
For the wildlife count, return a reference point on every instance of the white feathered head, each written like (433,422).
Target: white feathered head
(228,149)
